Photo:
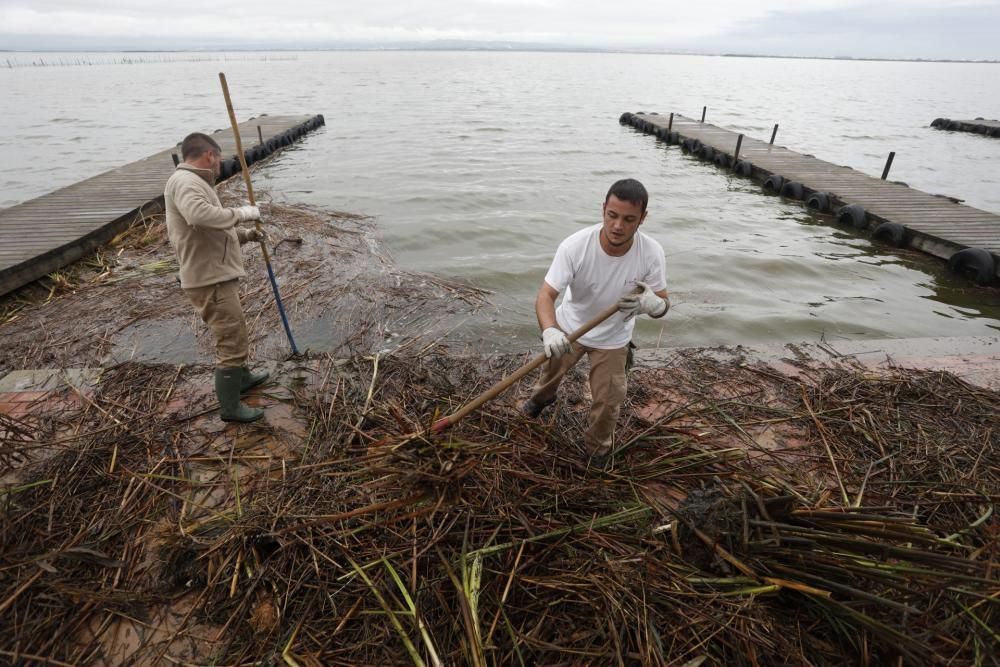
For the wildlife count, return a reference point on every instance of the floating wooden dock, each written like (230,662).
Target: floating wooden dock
(45,234)
(968,238)
(989,128)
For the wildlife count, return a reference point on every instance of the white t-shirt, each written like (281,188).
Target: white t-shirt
(593,280)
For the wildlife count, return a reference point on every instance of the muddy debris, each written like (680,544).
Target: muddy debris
(342,293)
(137,533)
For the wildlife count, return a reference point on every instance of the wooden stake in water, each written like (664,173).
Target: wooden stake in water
(736,154)
(888,165)
(774,133)
(704,110)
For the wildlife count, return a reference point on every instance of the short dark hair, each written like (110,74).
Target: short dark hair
(630,190)
(196,144)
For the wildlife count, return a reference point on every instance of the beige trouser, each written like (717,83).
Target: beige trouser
(607,389)
(219,306)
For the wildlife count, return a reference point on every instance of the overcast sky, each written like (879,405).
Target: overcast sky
(963,29)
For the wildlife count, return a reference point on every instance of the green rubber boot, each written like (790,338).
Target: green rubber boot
(250,379)
(227,388)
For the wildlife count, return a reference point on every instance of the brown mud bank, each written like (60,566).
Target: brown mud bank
(750,516)
(340,289)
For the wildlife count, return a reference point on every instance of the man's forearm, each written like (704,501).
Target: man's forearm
(545,311)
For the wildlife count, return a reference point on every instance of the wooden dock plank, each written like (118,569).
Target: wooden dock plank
(936,224)
(42,235)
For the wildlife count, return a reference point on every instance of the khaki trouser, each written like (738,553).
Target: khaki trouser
(219,307)
(607,389)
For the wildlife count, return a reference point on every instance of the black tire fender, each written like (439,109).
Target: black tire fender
(890,232)
(723,161)
(743,168)
(976,264)
(773,183)
(953,125)
(853,215)
(792,190)
(624,118)
(321,118)
(819,202)
(675,138)
(939,122)
(707,153)
(228,168)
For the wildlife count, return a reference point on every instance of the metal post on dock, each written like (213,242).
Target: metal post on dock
(736,153)
(670,123)
(888,164)
(774,133)
(176,159)
(703,110)
(260,135)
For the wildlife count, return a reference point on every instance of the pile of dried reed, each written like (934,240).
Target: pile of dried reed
(748,518)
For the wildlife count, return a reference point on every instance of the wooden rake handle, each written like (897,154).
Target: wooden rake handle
(244,168)
(447,422)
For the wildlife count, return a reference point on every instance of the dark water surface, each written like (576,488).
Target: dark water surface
(476,165)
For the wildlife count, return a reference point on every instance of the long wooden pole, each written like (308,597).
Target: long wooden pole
(246,178)
(447,422)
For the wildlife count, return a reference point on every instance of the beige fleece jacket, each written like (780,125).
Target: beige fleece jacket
(202,231)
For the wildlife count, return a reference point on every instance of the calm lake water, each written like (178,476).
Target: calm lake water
(476,165)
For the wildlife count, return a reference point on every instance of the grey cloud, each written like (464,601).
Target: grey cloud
(873,31)
(911,29)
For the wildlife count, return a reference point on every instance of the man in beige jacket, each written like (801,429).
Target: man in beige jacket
(207,240)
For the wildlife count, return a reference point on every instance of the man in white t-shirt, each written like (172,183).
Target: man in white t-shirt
(596,267)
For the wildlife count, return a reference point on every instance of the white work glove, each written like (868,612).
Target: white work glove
(645,302)
(256,235)
(555,342)
(247,213)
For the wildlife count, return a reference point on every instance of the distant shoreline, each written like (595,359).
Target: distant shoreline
(509,49)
